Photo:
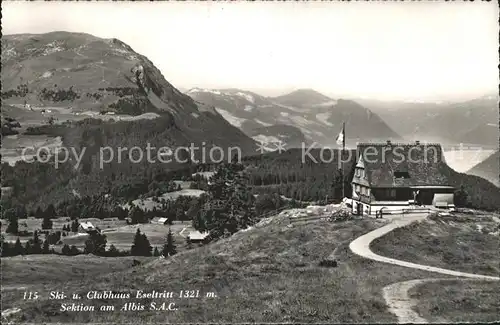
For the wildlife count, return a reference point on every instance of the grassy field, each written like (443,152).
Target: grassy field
(462,242)
(38,272)
(266,274)
(148,204)
(117,232)
(32,224)
(458,301)
(122,237)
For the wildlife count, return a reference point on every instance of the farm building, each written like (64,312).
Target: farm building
(395,176)
(196,236)
(160,221)
(86,227)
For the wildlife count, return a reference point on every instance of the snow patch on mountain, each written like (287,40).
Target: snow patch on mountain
(299,120)
(201,90)
(326,104)
(233,120)
(53,47)
(294,109)
(248,108)
(246,96)
(263,123)
(9,53)
(284,114)
(323,118)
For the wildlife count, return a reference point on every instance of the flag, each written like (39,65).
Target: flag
(341,136)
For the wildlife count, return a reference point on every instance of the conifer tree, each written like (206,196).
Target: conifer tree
(36,244)
(169,248)
(156,252)
(46,223)
(74,225)
(46,247)
(13,227)
(50,212)
(141,245)
(66,250)
(27,248)
(230,203)
(95,244)
(18,247)
(113,251)
(73,251)
(38,213)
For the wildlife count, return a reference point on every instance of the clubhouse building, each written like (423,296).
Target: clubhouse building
(395,176)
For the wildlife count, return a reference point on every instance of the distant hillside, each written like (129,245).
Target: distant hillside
(488,169)
(289,136)
(303,98)
(482,134)
(317,116)
(472,122)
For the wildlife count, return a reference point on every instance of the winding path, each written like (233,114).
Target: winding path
(396,294)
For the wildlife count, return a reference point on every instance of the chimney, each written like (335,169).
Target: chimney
(417,142)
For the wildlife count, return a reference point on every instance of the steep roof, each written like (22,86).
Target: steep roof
(413,164)
(87,225)
(196,235)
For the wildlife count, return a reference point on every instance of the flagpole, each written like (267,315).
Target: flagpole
(342,160)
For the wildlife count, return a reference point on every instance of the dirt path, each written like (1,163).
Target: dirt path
(361,246)
(396,294)
(7,312)
(399,302)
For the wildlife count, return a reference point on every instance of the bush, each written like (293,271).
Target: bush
(328,263)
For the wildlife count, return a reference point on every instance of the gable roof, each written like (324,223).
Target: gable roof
(159,220)
(424,164)
(87,225)
(196,235)
(360,163)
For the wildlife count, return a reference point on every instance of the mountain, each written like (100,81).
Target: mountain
(72,75)
(304,98)
(472,122)
(317,116)
(488,169)
(82,72)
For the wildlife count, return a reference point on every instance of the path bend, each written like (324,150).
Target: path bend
(361,246)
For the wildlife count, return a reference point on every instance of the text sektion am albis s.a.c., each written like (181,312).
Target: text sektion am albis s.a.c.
(125,301)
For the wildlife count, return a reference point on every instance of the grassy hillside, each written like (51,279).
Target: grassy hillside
(488,169)
(36,272)
(457,301)
(466,243)
(266,274)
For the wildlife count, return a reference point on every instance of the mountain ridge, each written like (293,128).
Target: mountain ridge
(318,116)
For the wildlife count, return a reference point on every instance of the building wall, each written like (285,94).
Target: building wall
(392,194)
(364,206)
(371,209)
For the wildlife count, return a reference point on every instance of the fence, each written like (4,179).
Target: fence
(405,211)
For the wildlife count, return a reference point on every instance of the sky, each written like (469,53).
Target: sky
(379,50)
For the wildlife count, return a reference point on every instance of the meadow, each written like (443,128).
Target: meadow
(270,273)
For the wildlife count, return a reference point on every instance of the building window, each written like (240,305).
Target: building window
(361,173)
(362,190)
(357,172)
(368,191)
(357,188)
(401,175)
(393,193)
